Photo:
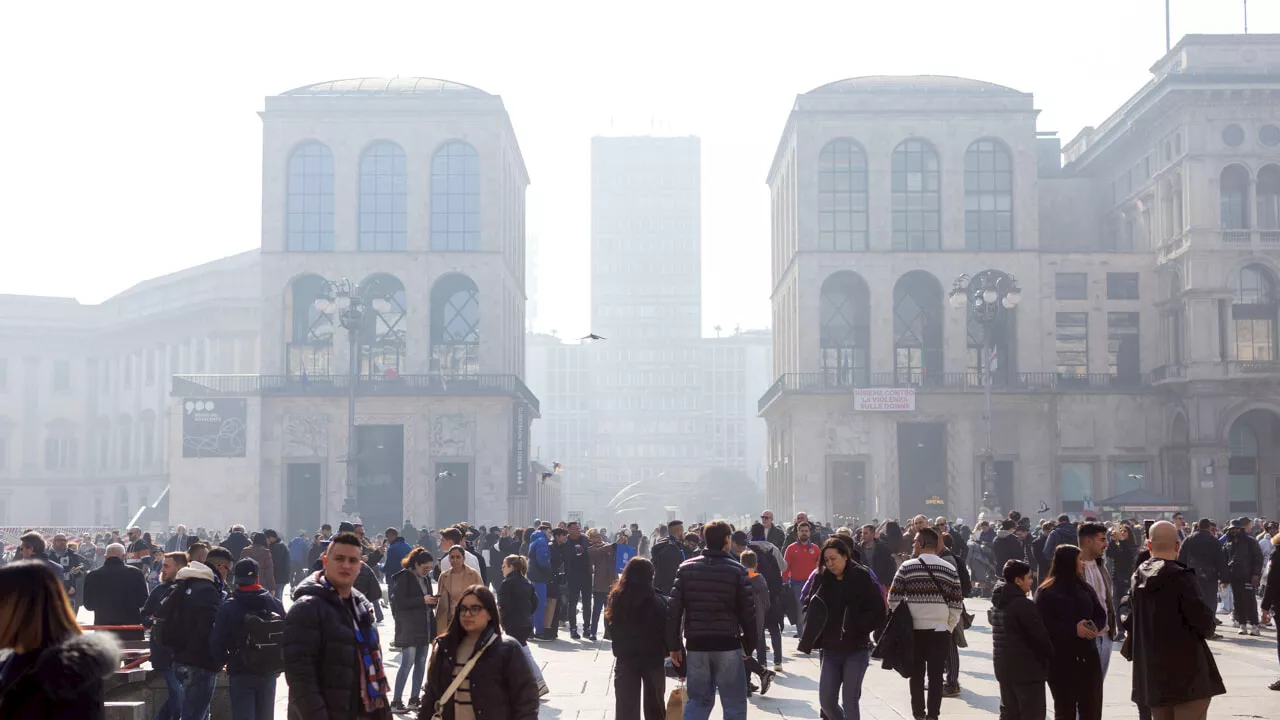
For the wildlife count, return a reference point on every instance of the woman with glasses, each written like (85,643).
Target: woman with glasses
(506,689)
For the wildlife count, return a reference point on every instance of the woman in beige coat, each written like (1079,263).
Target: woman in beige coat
(453,582)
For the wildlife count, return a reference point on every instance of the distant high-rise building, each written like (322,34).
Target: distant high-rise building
(646,268)
(532,263)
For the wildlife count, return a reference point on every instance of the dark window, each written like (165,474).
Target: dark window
(1122,286)
(309,213)
(1269,198)
(1071,286)
(917,329)
(917,197)
(455,198)
(845,330)
(1073,343)
(842,196)
(988,197)
(61,375)
(455,326)
(1122,344)
(1254,315)
(383,199)
(1233,135)
(1233,189)
(1269,135)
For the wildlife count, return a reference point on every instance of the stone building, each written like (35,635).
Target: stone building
(1143,351)
(413,191)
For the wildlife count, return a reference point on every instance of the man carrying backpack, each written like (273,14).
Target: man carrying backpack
(188,614)
(247,635)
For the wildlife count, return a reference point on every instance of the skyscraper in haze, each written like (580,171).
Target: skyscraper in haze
(646,249)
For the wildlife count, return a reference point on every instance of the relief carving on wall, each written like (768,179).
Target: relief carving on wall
(305,436)
(452,435)
(847,434)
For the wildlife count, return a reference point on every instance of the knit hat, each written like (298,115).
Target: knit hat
(246,572)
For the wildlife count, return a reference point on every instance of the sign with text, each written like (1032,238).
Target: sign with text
(520,421)
(214,427)
(884,399)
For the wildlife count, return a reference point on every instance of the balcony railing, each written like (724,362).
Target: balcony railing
(1236,237)
(340,385)
(1254,367)
(837,382)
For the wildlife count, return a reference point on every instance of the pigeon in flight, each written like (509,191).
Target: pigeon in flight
(1044,507)
(444,474)
(592,336)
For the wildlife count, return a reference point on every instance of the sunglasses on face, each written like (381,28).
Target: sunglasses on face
(470,609)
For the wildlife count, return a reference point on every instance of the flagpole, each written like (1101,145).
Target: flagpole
(1246,17)
(1168,37)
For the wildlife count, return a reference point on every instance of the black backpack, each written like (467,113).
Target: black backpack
(262,650)
(767,565)
(172,614)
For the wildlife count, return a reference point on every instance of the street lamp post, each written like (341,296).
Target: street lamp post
(985,296)
(343,297)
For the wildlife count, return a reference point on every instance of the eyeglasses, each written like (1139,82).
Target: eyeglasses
(470,609)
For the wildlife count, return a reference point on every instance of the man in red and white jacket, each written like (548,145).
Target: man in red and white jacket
(802,558)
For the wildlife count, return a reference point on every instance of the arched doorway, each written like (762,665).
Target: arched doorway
(1252,459)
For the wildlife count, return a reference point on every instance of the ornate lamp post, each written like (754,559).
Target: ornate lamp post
(986,296)
(343,297)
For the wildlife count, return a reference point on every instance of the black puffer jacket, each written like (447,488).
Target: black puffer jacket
(667,555)
(1244,556)
(516,601)
(367,584)
(63,682)
(414,626)
(1170,624)
(632,628)
(321,657)
(711,596)
(201,599)
(1202,553)
(502,684)
(1021,648)
(1006,547)
(1062,607)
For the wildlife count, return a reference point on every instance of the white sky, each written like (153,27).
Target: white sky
(130,147)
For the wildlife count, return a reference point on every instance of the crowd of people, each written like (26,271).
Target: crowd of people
(466,601)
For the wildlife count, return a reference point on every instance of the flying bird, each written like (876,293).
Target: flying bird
(1044,507)
(592,336)
(444,474)
(556,467)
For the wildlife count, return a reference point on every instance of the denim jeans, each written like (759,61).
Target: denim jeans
(841,679)
(540,589)
(709,671)
(1103,643)
(415,658)
(197,691)
(795,588)
(597,608)
(253,697)
(537,669)
(172,707)
(572,596)
(773,629)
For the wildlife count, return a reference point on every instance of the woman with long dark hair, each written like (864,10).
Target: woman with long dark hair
(637,617)
(55,672)
(474,649)
(1072,615)
(412,602)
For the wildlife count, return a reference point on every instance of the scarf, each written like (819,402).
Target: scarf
(373,687)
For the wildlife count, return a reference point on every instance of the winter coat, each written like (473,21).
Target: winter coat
(759,594)
(414,617)
(452,584)
(396,553)
(516,602)
(863,612)
(1271,596)
(227,639)
(282,564)
(199,610)
(776,537)
(1062,534)
(236,542)
(1062,607)
(161,656)
(604,563)
(322,663)
(1244,557)
(896,646)
(367,584)
(116,593)
(1021,648)
(712,596)
(1170,625)
(1007,546)
(667,554)
(882,563)
(578,562)
(962,571)
(61,682)
(1122,555)
(298,548)
(633,630)
(502,683)
(266,565)
(540,558)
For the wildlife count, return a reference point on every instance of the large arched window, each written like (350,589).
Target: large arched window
(61,446)
(308,330)
(147,438)
(455,198)
(383,198)
(383,339)
(988,196)
(917,197)
(309,212)
(1269,198)
(842,196)
(845,330)
(1234,195)
(1243,465)
(455,326)
(1254,314)
(917,329)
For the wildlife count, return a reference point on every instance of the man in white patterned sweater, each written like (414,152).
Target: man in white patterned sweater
(930,588)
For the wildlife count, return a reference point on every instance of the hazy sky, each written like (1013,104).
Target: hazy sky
(130,147)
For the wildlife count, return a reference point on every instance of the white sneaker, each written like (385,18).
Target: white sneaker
(1235,623)
(1255,631)
(1244,629)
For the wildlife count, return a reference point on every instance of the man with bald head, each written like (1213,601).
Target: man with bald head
(1174,673)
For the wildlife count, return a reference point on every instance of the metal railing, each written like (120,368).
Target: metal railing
(1237,237)
(1255,367)
(340,385)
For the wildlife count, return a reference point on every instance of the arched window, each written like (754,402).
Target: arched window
(455,326)
(917,197)
(1243,465)
(917,329)
(842,196)
(61,447)
(309,212)
(383,198)
(308,330)
(1254,314)
(1234,193)
(383,341)
(988,196)
(455,198)
(1269,198)
(845,330)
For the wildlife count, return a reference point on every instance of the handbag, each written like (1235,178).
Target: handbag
(453,686)
(966,620)
(675,702)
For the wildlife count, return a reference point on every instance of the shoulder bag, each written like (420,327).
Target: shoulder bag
(457,681)
(966,620)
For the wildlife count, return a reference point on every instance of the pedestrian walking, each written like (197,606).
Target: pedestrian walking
(1244,572)
(453,581)
(281,561)
(930,587)
(516,602)
(760,596)
(412,603)
(604,573)
(1021,647)
(259,551)
(634,608)
(116,593)
(246,638)
(667,554)
(188,614)
(1073,615)
(578,575)
(161,656)
(1271,598)
(801,558)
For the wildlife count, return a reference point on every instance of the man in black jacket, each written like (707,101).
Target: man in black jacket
(161,656)
(579,575)
(1202,553)
(73,567)
(116,593)
(188,613)
(667,554)
(328,630)
(279,560)
(1007,546)
(773,533)
(1244,571)
(237,540)
(253,689)
(711,599)
(1021,647)
(1064,533)
(1174,672)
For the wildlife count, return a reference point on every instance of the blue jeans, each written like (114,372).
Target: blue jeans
(539,613)
(1103,643)
(172,707)
(197,691)
(537,669)
(707,671)
(253,697)
(841,679)
(795,594)
(416,658)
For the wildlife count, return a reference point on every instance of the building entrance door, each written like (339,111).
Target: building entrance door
(301,499)
(922,469)
(380,482)
(848,479)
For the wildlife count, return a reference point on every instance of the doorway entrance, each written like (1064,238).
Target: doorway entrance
(922,469)
(380,482)
(848,481)
(452,494)
(301,499)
